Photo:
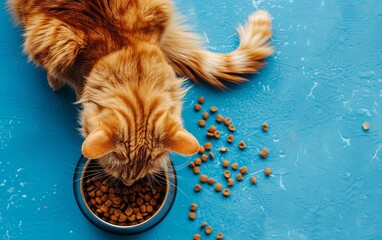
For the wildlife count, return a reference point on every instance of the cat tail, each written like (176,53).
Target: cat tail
(185,53)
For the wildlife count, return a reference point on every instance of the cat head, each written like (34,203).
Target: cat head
(131,114)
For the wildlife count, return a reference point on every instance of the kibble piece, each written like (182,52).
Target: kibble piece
(196,170)
(197,107)
(208,230)
(203,178)
(201,150)
(227,174)
(210,181)
(196,236)
(140,201)
(226,192)
(211,129)
(230,138)
(268,172)
(203,225)
(129,211)
(230,182)
(197,188)
(201,100)
(253,180)
(212,156)
(219,236)
(243,170)
(132,218)
(213,109)
(122,218)
(204,157)
(149,208)
(198,161)
(365,126)
(239,177)
(219,118)
(242,145)
(193,207)
(227,121)
(234,166)
(209,134)
(143,208)
(265,127)
(225,163)
(223,149)
(202,123)
(218,187)
(191,164)
(205,115)
(216,134)
(208,146)
(264,153)
(231,128)
(192,215)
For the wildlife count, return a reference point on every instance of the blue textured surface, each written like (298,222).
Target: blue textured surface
(322,83)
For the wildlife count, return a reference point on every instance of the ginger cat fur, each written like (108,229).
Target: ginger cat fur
(126,60)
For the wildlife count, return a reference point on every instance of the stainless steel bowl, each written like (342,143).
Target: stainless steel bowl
(165,207)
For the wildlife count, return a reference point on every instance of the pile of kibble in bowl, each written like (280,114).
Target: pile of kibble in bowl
(119,204)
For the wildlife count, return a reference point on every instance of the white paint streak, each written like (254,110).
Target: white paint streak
(206,37)
(311,91)
(344,139)
(281,183)
(376,154)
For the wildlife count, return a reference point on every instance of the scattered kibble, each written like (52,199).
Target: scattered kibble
(196,236)
(212,129)
(264,153)
(253,180)
(219,236)
(210,134)
(204,157)
(201,150)
(226,192)
(230,138)
(208,230)
(231,128)
(212,156)
(365,126)
(230,182)
(193,207)
(242,145)
(203,178)
(213,109)
(227,174)
(201,100)
(202,123)
(218,187)
(268,172)
(265,127)
(210,181)
(219,118)
(196,170)
(192,216)
(203,225)
(225,163)
(197,188)
(208,146)
(239,177)
(205,115)
(223,149)
(191,164)
(227,121)
(217,134)
(197,107)
(234,166)
(243,170)
(197,161)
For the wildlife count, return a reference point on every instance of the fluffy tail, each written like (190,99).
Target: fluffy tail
(185,53)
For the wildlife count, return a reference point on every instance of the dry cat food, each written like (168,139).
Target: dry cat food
(192,215)
(243,170)
(242,145)
(230,182)
(219,118)
(218,187)
(203,178)
(123,205)
(196,236)
(197,107)
(212,156)
(209,134)
(205,115)
(203,225)
(265,127)
(225,163)
(193,207)
(201,150)
(253,180)
(227,121)
(208,146)
(227,174)
(196,170)
(234,166)
(216,134)
(197,162)
(204,157)
(191,164)
(264,153)
(230,138)
(226,192)
(365,126)
(239,177)
(212,129)
(219,236)
(223,149)
(210,181)
(231,128)
(197,188)
(208,230)
(213,109)
(201,100)
(202,123)
(268,172)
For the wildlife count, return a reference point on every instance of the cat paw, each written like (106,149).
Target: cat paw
(54,83)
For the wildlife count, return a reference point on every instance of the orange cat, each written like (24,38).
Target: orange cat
(124,58)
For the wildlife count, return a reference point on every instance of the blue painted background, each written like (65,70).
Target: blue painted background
(322,83)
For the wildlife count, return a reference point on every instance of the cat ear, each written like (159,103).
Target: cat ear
(182,142)
(97,144)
